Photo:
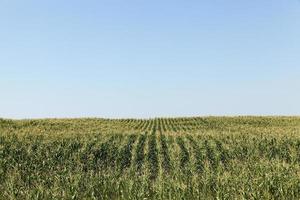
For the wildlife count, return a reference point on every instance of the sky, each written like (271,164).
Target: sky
(144,59)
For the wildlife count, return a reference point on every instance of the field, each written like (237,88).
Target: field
(174,158)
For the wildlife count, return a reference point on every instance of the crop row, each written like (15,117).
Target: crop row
(149,150)
(189,125)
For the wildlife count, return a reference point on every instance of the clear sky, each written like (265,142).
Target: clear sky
(137,58)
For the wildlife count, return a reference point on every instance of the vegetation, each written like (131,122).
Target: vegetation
(182,158)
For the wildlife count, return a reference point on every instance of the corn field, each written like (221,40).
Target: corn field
(162,158)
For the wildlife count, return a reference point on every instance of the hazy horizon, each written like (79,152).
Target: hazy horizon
(153,117)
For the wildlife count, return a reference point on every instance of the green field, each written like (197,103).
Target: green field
(175,158)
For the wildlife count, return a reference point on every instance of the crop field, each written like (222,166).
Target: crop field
(162,158)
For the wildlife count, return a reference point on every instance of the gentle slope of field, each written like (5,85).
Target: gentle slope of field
(179,158)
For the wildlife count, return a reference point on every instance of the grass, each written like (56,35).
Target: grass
(180,158)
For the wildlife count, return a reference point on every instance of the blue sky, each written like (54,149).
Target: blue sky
(117,58)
